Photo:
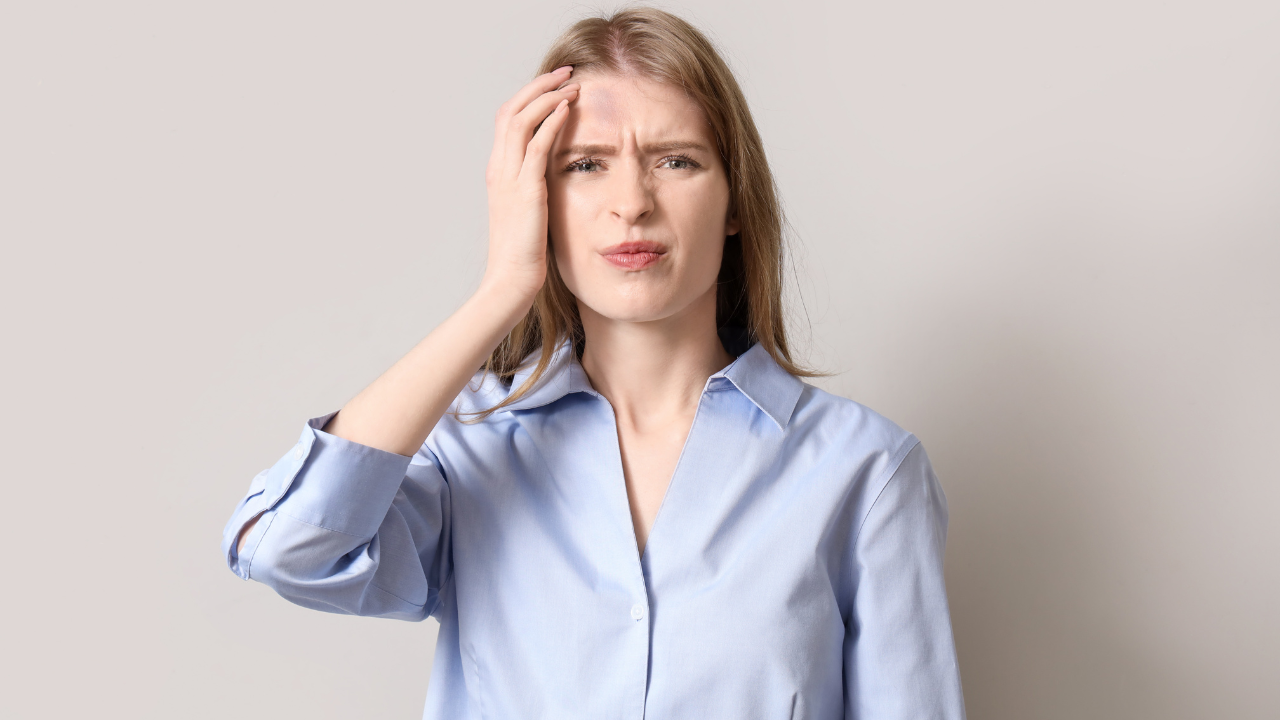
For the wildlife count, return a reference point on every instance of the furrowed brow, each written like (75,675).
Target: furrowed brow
(586,150)
(653,149)
(673,145)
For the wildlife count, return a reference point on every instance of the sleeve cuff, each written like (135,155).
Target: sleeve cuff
(338,484)
(323,480)
(250,506)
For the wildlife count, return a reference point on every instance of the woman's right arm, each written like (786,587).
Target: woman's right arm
(394,415)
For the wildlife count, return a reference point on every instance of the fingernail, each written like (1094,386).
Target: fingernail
(565,69)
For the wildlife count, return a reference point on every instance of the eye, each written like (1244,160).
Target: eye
(679,162)
(587,165)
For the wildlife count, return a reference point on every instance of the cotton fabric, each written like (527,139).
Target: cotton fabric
(794,570)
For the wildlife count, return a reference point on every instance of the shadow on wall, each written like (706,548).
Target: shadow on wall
(1045,470)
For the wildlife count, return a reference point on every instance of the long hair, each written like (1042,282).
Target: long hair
(661,47)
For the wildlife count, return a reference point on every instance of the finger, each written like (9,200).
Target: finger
(521,127)
(539,85)
(535,157)
(526,95)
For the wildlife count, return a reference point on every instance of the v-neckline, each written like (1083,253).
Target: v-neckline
(639,554)
(671,481)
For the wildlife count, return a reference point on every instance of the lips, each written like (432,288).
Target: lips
(634,255)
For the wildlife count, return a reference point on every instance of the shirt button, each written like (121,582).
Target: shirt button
(298,453)
(637,612)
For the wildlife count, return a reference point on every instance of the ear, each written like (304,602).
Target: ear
(731,224)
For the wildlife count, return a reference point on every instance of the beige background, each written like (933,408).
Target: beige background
(1045,237)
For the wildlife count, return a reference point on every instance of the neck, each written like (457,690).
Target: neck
(651,371)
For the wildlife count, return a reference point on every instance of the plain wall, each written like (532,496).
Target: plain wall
(1045,237)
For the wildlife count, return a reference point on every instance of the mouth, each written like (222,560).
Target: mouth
(634,255)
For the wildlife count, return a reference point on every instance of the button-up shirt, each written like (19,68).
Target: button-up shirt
(794,569)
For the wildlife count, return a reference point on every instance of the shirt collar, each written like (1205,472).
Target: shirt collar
(564,375)
(758,376)
(754,373)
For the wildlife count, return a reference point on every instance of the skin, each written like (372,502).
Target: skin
(651,338)
(636,160)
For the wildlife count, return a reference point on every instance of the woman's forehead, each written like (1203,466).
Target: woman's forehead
(610,104)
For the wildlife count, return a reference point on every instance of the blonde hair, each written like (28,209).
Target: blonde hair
(659,46)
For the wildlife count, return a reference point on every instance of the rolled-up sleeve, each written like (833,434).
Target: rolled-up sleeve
(900,657)
(346,528)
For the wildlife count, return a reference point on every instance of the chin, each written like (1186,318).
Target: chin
(642,306)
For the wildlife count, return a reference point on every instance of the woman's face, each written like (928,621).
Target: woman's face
(638,199)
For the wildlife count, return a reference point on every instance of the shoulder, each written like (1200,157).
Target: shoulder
(853,450)
(847,425)
(886,472)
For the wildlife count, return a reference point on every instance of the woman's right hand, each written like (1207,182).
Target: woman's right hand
(397,411)
(516,182)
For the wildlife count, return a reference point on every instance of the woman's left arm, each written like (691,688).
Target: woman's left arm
(900,657)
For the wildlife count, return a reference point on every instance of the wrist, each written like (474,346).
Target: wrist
(503,300)
(510,288)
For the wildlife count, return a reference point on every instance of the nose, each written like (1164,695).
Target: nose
(631,194)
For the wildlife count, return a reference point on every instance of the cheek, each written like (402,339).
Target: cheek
(568,226)
(710,256)
(561,215)
(556,205)
(701,213)
(566,208)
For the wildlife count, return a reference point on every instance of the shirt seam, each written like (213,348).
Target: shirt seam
(475,665)
(410,603)
(322,527)
(892,470)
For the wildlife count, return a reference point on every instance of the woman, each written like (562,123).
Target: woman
(637,508)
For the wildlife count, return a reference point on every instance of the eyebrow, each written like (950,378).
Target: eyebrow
(653,149)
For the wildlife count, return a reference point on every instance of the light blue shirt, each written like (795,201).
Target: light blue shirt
(794,569)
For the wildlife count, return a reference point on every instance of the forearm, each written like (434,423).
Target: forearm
(397,411)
